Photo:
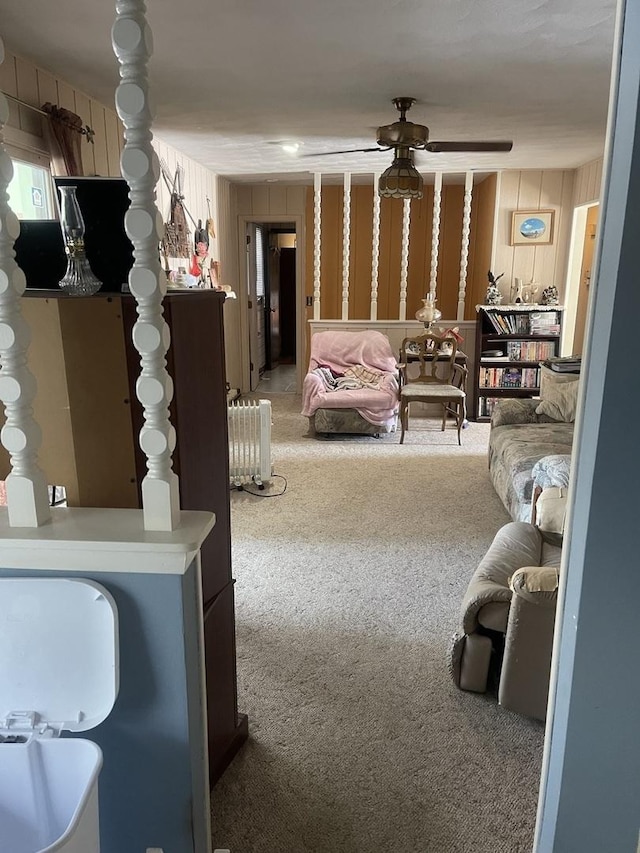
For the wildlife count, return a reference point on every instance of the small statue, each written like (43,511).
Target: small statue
(516,291)
(549,295)
(493,297)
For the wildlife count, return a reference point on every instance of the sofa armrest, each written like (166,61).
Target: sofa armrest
(515,411)
(536,585)
(526,665)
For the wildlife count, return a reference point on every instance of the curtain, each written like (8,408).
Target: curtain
(64,133)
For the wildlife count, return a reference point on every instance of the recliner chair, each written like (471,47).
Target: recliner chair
(508,616)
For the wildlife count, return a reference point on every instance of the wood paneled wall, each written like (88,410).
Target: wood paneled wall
(269,200)
(25,128)
(534,190)
(588,180)
(35,86)
(199,184)
(420,234)
(480,244)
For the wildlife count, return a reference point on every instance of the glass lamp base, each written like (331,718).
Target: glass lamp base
(78,279)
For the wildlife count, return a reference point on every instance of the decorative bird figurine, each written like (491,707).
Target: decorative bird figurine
(493,297)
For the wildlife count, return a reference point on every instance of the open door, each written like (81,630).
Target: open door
(585,278)
(252,238)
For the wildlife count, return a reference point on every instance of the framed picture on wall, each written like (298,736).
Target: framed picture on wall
(532,227)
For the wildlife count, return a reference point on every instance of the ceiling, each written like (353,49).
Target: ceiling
(233,79)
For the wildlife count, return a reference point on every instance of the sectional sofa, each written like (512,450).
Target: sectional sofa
(523,432)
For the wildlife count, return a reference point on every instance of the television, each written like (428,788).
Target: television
(103,202)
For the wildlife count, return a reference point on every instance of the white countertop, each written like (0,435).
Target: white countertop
(102,540)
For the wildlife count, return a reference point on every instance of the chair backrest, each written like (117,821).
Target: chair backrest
(434,354)
(341,350)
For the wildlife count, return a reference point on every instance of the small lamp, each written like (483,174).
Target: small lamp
(428,314)
(401,179)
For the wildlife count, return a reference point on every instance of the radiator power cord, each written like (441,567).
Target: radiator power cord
(250,488)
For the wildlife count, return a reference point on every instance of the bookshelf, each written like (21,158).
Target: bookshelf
(511,341)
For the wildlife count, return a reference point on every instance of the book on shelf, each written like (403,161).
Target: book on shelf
(544,323)
(564,364)
(509,377)
(525,322)
(486,406)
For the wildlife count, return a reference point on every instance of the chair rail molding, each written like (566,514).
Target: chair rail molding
(132,44)
(27,492)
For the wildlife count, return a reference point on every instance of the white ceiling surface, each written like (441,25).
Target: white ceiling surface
(232,77)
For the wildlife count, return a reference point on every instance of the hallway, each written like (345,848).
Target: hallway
(280,379)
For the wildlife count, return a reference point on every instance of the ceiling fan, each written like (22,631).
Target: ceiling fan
(402,179)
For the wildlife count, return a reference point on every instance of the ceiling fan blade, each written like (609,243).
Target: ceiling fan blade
(348,151)
(440,147)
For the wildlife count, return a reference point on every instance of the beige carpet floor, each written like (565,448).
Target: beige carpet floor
(347,594)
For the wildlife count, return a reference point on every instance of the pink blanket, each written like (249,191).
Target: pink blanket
(341,350)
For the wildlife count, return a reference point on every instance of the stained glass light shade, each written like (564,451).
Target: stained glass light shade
(401,179)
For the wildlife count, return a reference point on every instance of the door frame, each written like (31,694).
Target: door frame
(574,268)
(243,302)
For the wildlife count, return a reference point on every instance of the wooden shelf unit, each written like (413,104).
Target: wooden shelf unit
(516,372)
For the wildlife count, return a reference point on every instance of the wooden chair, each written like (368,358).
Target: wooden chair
(441,380)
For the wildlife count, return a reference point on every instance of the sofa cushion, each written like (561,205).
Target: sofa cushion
(513,451)
(560,401)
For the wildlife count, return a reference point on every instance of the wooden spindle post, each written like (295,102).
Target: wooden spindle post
(27,491)
(404,257)
(132,45)
(346,244)
(464,252)
(317,242)
(435,234)
(375,249)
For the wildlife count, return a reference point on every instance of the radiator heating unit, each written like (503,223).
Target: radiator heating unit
(249,442)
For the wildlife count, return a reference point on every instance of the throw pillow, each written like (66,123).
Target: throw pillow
(550,377)
(559,401)
(552,470)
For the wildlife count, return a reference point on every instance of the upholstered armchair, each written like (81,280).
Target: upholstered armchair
(507,620)
(352,383)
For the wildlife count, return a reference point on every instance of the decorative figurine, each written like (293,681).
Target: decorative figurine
(549,295)
(493,297)
(516,291)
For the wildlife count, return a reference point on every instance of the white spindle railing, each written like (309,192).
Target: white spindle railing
(27,492)
(132,45)
(464,252)
(435,234)
(317,237)
(346,244)
(404,257)
(375,249)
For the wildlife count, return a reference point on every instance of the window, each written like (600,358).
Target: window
(30,192)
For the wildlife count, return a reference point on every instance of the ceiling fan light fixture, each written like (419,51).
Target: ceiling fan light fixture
(400,180)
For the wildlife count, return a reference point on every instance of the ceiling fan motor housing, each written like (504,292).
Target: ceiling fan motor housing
(404,133)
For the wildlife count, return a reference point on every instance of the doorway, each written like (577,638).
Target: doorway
(272,305)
